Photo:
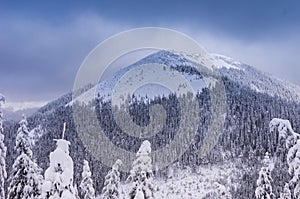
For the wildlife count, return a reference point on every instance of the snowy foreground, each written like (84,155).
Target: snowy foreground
(207,180)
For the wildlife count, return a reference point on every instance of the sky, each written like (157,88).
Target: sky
(43,43)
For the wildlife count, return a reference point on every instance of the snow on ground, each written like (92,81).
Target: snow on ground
(173,59)
(255,88)
(213,60)
(187,185)
(146,75)
(221,61)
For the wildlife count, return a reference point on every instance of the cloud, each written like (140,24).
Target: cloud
(19,106)
(39,58)
(276,55)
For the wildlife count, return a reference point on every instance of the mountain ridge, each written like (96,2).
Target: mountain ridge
(244,74)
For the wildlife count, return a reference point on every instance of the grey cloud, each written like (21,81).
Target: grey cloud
(276,54)
(41,59)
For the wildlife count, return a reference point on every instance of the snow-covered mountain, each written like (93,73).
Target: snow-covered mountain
(257,80)
(14,110)
(253,99)
(234,70)
(10,114)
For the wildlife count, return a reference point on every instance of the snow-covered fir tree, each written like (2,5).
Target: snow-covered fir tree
(112,181)
(293,160)
(86,185)
(291,138)
(268,162)
(264,182)
(286,192)
(141,174)
(264,187)
(25,178)
(58,182)
(285,131)
(3,149)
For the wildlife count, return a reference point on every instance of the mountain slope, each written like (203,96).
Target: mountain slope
(236,71)
(250,107)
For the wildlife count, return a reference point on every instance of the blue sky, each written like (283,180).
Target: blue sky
(43,44)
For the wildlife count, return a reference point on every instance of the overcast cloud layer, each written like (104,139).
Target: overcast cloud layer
(42,46)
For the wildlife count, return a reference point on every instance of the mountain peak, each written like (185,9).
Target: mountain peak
(209,60)
(186,63)
(222,61)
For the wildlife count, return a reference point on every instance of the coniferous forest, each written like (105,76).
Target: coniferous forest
(247,142)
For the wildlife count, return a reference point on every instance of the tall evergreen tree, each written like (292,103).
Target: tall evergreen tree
(3,174)
(264,187)
(112,181)
(25,178)
(286,193)
(141,174)
(291,138)
(58,182)
(86,185)
(293,160)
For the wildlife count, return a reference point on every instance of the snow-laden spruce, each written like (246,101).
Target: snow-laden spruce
(264,182)
(25,178)
(293,160)
(112,181)
(3,149)
(86,185)
(292,143)
(285,131)
(58,182)
(286,192)
(141,174)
